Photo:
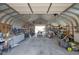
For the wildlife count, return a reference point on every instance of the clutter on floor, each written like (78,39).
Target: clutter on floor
(13,36)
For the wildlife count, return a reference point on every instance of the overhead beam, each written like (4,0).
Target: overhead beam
(65,17)
(10,17)
(4,10)
(12,8)
(73,12)
(72,19)
(77,15)
(65,21)
(1,4)
(30,7)
(67,8)
(71,24)
(5,16)
(49,7)
(11,21)
(17,18)
(76,8)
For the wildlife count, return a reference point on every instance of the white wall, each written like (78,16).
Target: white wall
(76,37)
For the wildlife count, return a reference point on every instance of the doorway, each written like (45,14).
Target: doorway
(40,28)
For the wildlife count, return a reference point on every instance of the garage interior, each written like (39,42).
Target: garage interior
(39,28)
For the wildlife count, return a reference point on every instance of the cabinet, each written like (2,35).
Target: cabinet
(5,28)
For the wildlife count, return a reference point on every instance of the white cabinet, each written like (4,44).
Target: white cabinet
(14,41)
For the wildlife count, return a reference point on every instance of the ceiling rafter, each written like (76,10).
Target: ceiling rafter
(5,15)
(30,7)
(10,17)
(68,8)
(72,19)
(4,10)
(76,8)
(49,7)
(12,9)
(73,13)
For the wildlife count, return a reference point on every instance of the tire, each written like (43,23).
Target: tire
(70,49)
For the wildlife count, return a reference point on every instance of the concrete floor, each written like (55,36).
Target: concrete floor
(39,46)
